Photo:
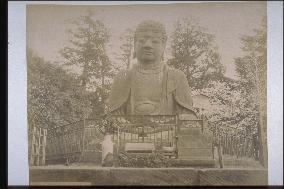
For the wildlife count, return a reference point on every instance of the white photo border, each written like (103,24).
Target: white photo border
(18,169)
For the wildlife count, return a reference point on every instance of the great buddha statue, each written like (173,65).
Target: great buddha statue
(150,87)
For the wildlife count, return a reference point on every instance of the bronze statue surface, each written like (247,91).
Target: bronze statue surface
(150,87)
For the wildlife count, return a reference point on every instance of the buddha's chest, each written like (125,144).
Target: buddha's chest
(148,86)
(147,92)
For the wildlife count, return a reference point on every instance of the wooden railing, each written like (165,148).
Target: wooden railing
(161,130)
(67,143)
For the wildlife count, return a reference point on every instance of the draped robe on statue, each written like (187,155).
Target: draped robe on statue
(159,91)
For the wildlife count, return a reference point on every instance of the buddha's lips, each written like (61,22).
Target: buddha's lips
(147,52)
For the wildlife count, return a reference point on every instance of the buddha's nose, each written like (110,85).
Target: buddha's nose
(148,43)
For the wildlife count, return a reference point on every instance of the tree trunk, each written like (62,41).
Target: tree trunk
(261,125)
(103,88)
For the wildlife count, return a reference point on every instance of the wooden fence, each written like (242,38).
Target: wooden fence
(37,145)
(235,142)
(67,143)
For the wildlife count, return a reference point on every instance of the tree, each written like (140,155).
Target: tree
(193,52)
(126,54)
(224,98)
(87,50)
(54,96)
(251,69)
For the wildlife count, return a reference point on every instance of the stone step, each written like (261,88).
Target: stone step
(230,161)
(190,131)
(180,162)
(187,153)
(193,142)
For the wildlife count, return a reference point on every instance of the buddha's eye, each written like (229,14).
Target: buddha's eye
(156,41)
(141,40)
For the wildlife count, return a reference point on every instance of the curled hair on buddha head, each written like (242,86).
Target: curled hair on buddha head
(153,26)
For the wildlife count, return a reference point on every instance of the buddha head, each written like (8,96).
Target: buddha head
(149,42)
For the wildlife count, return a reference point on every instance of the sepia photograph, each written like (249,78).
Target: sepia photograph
(149,94)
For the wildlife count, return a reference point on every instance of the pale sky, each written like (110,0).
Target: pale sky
(227,21)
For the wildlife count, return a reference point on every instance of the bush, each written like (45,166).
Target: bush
(143,160)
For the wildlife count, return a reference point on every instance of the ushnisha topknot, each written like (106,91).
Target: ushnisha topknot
(153,26)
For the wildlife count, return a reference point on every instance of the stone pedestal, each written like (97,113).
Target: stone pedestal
(192,144)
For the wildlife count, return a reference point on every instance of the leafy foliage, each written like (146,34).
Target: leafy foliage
(238,102)
(252,67)
(126,54)
(87,51)
(145,160)
(194,53)
(54,96)
(252,71)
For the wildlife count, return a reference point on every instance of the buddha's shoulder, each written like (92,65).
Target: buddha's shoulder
(175,73)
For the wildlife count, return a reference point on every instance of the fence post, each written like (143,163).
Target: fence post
(220,155)
(43,147)
(37,146)
(213,149)
(202,123)
(161,136)
(32,159)
(168,135)
(176,146)
(83,140)
(118,137)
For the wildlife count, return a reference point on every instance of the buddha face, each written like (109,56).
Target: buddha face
(149,47)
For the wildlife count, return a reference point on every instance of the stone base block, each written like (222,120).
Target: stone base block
(88,175)
(233,177)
